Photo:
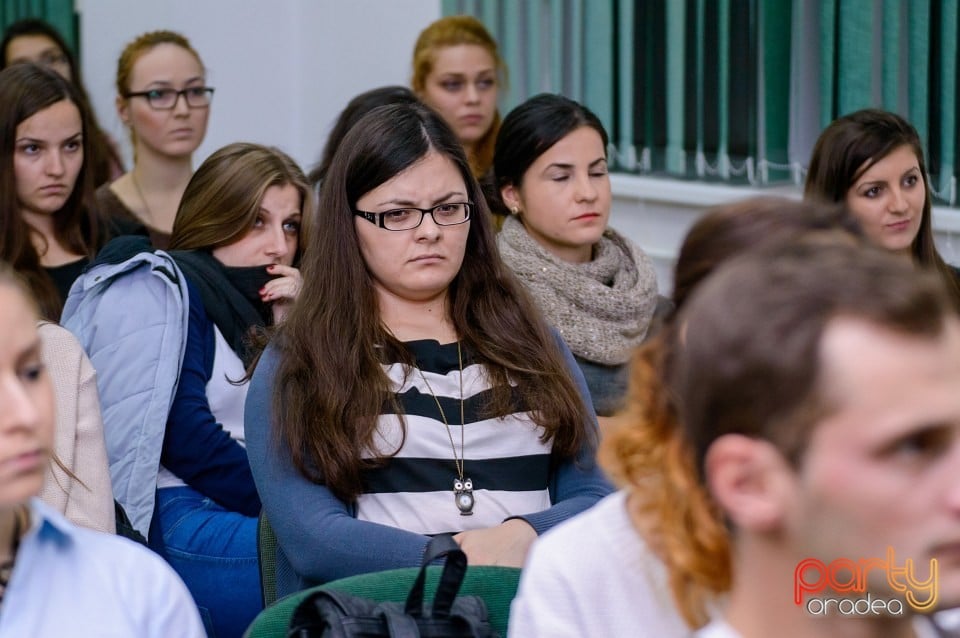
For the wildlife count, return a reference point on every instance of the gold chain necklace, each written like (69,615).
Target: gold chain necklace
(462,487)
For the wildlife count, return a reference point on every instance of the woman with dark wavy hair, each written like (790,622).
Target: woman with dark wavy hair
(414,389)
(33,40)
(48,230)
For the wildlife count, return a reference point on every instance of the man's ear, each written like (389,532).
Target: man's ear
(750,480)
(511,197)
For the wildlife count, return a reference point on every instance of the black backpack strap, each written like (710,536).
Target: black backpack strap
(454,569)
(399,625)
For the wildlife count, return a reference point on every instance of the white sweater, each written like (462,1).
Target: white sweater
(595,576)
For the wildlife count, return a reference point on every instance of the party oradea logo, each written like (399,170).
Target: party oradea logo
(841,586)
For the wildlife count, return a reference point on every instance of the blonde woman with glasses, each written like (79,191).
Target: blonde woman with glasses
(163,98)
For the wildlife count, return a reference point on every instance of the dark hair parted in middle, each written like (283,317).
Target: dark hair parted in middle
(103,156)
(532,128)
(25,90)
(331,387)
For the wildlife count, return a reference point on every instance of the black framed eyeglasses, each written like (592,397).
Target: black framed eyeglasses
(408,218)
(197,97)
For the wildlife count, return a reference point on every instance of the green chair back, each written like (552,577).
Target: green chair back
(496,585)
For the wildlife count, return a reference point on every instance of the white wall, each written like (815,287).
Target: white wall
(656,213)
(283,70)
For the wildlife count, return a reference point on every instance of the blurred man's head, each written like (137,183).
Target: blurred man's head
(819,385)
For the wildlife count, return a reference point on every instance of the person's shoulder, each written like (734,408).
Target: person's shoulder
(58,341)
(99,550)
(259,402)
(124,556)
(152,596)
(108,203)
(588,533)
(269,359)
(717,628)
(598,553)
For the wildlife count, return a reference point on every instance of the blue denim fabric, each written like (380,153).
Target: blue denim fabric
(215,553)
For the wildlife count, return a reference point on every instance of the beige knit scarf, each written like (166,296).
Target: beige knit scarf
(602,308)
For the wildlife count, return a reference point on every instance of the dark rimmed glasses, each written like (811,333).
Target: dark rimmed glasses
(408,218)
(197,97)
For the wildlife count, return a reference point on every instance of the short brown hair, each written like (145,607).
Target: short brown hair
(749,362)
(728,230)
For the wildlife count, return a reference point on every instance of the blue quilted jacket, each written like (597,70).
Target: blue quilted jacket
(143,299)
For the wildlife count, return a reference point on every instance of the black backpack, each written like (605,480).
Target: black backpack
(333,614)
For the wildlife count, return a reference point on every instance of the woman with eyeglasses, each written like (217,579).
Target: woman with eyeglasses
(414,389)
(33,40)
(162,97)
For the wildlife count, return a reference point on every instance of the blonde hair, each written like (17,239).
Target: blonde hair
(651,457)
(447,32)
(136,49)
(142,45)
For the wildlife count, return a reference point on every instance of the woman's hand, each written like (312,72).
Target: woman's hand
(506,544)
(282,291)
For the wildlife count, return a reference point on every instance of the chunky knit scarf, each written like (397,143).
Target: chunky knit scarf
(602,308)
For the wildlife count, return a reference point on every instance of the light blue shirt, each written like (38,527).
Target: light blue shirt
(71,581)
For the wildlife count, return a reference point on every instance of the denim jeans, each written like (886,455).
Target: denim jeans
(215,553)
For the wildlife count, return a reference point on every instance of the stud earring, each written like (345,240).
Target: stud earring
(514,210)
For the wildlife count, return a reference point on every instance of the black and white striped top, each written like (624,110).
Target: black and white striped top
(504,457)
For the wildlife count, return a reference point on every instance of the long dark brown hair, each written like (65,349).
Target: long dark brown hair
(104,159)
(331,387)
(852,144)
(26,89)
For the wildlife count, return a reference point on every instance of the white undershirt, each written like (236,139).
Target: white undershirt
(226,399)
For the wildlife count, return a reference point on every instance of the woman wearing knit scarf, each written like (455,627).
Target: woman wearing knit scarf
(594,285)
